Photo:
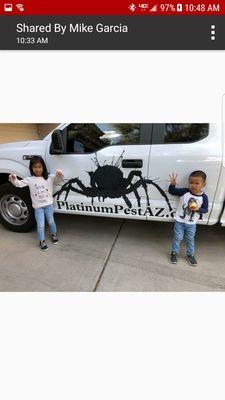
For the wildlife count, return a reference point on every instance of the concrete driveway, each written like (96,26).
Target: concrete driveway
(103,254)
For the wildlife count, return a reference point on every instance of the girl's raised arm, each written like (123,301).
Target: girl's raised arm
(18,183)
(58,176)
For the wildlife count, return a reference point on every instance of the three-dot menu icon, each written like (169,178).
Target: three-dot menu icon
(213,32)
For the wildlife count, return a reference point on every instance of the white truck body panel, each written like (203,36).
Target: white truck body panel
(79,165)
(158,161)
(220,193)
(183,158)
(12,156)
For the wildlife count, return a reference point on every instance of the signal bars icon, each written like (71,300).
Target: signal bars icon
(154,8)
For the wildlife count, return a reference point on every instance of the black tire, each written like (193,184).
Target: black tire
(16,211)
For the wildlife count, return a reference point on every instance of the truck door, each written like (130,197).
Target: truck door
(104,167)
(182,149)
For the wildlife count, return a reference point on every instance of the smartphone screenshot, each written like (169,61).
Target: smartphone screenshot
(112,198)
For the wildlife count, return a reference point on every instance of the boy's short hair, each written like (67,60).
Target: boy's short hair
(198,174)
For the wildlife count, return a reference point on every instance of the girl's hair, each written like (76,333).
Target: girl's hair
(37,159)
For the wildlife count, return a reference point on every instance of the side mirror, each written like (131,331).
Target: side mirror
(57,146)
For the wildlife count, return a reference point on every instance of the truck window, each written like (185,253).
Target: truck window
(179,133)
(87,138)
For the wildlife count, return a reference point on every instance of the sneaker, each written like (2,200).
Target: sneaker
(192,260)
(173,257)
(43,245)
(55,239)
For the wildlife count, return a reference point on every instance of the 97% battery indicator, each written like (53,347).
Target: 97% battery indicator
(171,7)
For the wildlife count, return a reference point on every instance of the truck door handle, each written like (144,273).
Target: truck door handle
(132,163)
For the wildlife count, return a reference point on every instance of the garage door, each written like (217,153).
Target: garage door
(18,132)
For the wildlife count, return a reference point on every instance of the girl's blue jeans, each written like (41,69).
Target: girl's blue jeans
(40,214)
(184,231)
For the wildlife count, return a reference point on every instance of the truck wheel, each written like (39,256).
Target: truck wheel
(16,212)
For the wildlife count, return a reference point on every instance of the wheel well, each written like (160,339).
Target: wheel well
(4,178)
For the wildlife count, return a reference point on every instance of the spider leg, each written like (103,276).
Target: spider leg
(67,187)
(142,182)
(127,201)
(76,191)
(161,191)
(79,183)
(92,181)
(127,183)
(119,161)
(60,191)
(133,188)
(131,175)
(57,194)
(145,186)
(95,160)
(73,189)
(67,190)
(137,197)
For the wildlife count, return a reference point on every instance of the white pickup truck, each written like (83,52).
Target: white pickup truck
(116,170)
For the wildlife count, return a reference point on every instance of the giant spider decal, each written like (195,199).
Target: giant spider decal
(108,181)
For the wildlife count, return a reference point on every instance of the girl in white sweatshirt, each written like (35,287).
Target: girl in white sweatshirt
(41,189)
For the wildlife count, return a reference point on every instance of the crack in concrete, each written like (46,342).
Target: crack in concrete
(108,257)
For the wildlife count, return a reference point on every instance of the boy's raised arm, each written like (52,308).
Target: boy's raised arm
(172,187)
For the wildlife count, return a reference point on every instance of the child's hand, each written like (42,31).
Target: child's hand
(196,208)
(173,179)
(193,206)
(12,177)
(59,173)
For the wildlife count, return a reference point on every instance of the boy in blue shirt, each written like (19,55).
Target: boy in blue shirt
(193,202)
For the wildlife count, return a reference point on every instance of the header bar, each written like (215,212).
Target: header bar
(112,33)
(112,7)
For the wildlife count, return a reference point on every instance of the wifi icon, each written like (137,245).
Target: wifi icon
(20,7)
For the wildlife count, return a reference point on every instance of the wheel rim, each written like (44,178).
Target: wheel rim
(14,210)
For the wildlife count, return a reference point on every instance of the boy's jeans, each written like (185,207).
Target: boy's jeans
(186,231)
(40,214)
